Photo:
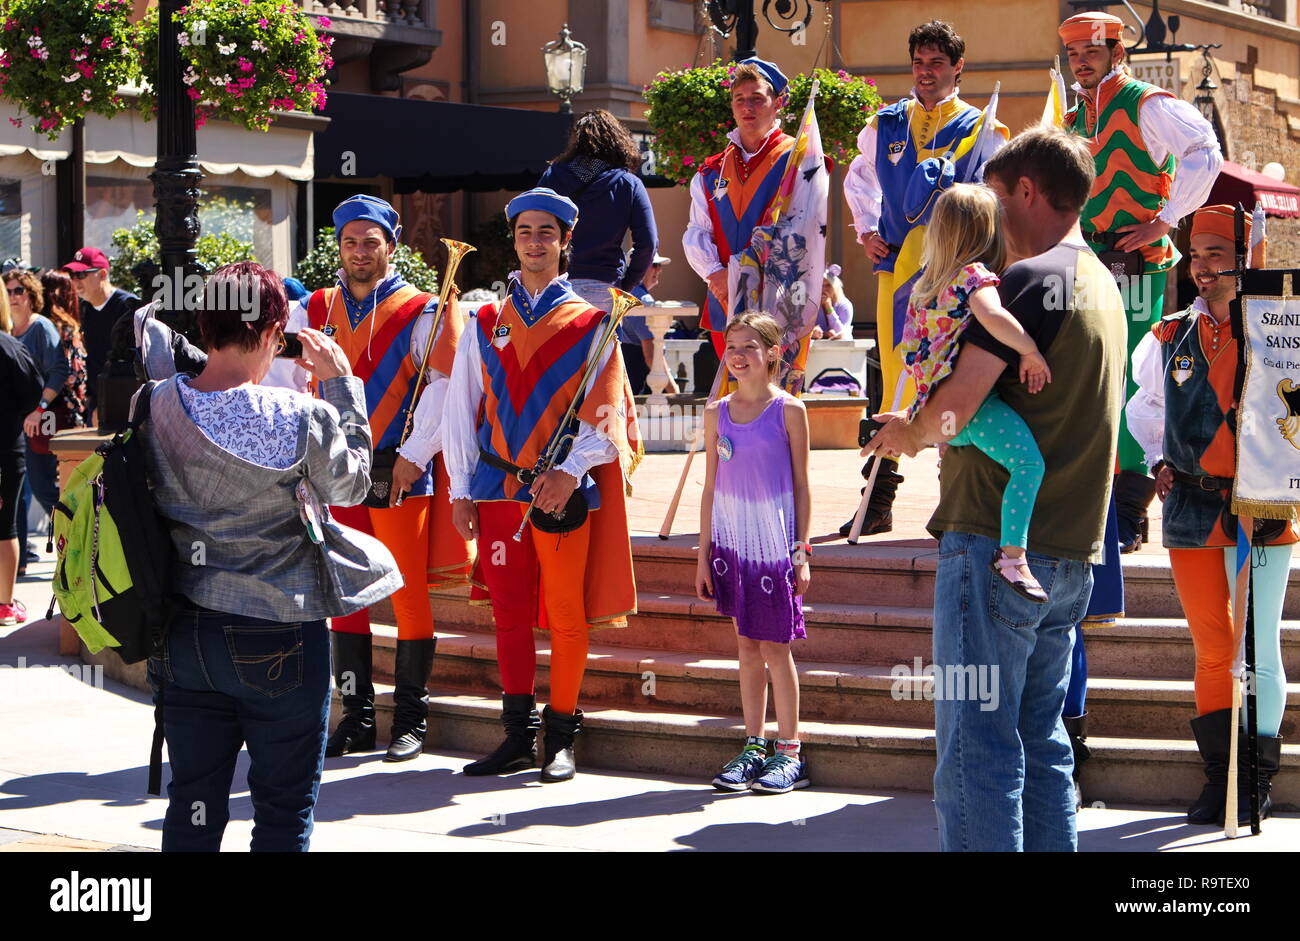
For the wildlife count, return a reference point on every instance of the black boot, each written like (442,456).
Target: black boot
(880,508)
(1077,728)
(1211,731)
(557,760)
(519,750)
(410,711)
(1270,760)
(352,660)
(1133,495)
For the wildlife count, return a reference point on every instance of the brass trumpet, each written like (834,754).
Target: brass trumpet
(455,252)
(623,302)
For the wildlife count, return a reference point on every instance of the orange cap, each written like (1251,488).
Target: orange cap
(1095,28)
(1218,220)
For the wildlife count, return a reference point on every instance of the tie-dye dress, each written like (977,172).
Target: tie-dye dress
(754,526)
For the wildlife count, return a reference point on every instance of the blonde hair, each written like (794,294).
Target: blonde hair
(963,229)
(769,334)
(6,318)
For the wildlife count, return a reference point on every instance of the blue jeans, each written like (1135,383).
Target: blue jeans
(42,484)
(1002,782)
(231,680)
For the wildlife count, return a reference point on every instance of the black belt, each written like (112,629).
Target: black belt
(525,475)
(1108,239)
(1211,484)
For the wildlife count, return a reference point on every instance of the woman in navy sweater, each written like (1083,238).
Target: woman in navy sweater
(597,171)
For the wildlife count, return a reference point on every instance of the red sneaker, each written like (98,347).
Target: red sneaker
(10,614)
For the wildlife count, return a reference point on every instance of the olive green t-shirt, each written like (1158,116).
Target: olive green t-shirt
(1069,304)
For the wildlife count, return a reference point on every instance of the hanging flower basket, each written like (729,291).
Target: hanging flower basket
(244,60)
(690,113)
(63,59)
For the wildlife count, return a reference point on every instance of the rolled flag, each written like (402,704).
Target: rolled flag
(781,270)
(1258,243)
(1054,110)
(987,140)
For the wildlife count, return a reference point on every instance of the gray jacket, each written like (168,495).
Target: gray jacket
(242,545)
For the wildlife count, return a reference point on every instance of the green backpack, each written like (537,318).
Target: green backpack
(115,552)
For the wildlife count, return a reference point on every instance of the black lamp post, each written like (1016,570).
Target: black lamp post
(176,176)
(1204,100)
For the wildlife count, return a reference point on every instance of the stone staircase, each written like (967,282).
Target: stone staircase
(662,694)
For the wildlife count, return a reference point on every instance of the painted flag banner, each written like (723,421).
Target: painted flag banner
(780,272)
(1267,484)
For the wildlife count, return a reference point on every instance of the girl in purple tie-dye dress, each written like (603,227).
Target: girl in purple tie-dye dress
(754,550)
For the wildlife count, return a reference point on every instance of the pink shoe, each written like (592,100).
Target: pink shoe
(1026,586)
(10,614)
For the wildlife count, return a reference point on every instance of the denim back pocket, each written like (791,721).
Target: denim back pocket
(268,660)
(1014,610)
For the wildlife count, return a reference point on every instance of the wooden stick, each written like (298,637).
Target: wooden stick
(1240,609)
(697,440)
(855,531)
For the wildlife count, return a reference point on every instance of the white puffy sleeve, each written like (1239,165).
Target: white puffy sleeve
(1146,410)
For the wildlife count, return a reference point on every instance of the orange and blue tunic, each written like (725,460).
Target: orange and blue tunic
(739,193)
(376,335)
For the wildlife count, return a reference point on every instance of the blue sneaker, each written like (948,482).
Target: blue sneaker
(740,771)
(781,773)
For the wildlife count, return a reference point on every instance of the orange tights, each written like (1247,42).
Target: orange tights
(403,529)
(545,568)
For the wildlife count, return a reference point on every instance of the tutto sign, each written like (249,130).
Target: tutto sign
(1156,71)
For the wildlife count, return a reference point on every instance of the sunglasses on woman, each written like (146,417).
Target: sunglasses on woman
(17,291)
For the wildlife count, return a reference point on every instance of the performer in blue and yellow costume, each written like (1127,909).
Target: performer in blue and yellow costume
(383,325)
(896,151)
(518,370)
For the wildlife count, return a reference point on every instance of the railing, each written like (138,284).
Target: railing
(397,12)
(1268,9)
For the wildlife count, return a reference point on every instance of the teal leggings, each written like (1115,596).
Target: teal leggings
(1270,567)
(998,431)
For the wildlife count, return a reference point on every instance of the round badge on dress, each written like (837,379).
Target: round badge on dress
(724,448)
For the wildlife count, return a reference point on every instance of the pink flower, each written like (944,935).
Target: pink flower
(299,39)
(16,122)
(245,65)
(193,93)
(106,43)
(324,22)
(263,23)
(687,161)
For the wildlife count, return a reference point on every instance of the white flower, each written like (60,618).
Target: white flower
(85,95)
(35,41)
(73,77)
(190,76)
(226,48)
(183,39)
(85,39)
(258,45)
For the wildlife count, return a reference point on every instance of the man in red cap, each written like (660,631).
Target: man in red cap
(1157,158)
(101,307)
(1184,417)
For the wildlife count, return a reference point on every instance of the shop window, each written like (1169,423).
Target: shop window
(243,212)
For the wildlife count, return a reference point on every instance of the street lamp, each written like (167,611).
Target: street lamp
(566,63)
(1204,100)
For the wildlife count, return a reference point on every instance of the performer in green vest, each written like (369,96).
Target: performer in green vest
(1157,159)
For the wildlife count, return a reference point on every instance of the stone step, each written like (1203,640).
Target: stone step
(636,678)
(840,754)
(1133,648)
(901,573)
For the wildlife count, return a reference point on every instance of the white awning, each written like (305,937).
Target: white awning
(223,147)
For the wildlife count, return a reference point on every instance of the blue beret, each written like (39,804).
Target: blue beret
(770,71)
(930,178)
(294,289)
(370,208)
(546,200)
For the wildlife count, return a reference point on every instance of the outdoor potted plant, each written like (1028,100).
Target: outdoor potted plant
(63,59)
(244,60)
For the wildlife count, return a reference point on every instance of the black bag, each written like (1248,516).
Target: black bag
(381,478)
(567,520)
(1122,264)
(1263,532)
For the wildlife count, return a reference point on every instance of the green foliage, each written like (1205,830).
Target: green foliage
(844,103)
(139,243)
(690,113)
(63,59)
(319,267)
(243,59)
(494,257)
